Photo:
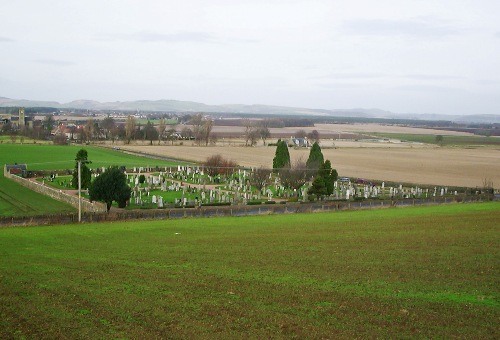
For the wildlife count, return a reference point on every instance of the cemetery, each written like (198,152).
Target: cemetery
(191,186)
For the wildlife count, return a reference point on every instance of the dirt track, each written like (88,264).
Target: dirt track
(424,165)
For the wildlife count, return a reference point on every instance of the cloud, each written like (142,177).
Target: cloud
(426,88)
(178,37)
(497,35)
(55,62)
(426,27)
(352,76)
(431,77)
(5,39)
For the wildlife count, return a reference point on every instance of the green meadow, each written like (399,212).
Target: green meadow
(425,272)
(57,157)
(15,200)
(447,140)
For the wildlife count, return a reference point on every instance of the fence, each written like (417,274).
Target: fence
(236,210)
(87,206)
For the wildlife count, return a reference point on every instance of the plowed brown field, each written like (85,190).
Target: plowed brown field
(423,165)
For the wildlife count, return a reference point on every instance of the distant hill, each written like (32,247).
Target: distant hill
(189,106)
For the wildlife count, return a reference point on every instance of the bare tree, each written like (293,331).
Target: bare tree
(259,178)
(313,136)
(249,127)
(264,133)
(487,185)
(218,165)
(207,129)
(186,133)
(197,124)
(161,129)
(171,135)
(107,125)
(88,130)
(130,128)
(294,177)
(300,134)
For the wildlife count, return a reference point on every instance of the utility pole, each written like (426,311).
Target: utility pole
(79,191)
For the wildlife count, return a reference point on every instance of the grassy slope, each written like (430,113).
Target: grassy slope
(412,272)
(15,200)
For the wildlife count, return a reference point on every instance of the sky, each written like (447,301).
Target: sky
(404,56)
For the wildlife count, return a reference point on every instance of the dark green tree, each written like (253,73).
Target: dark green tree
(315,160)
(281,158)
(329,176)
(318,188)
(110,186)
(81,156)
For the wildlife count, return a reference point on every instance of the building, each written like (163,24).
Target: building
(18,121)
(17,169)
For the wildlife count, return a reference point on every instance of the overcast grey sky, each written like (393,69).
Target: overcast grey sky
(422,56)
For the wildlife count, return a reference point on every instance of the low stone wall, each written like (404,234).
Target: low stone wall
(87,206)
(236,210)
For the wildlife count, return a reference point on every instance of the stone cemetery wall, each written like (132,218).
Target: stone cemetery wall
(235,210)
(87,206)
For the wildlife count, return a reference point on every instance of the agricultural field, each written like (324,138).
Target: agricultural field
(446,141)
(16,200)
(56,157)
(452,166)
(426,272)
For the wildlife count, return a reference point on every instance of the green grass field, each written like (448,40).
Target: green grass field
(427,272)
(56,157)
(447,140)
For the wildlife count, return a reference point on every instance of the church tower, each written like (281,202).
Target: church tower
(22,118)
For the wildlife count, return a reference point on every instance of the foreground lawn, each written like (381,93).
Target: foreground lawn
(392,273)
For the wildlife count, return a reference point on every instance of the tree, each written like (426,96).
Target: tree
(130,128)
(250,132)
(161,129)
(150,133)
(186,133)
(281,157)
(259,178)
(197,124)
(318,188)
(7,128)
(88,130)
(218,165)
(110,186)
(207,129)
(86,176)
(300,134)
(264,134)
(439,139)
(313,136)
(171,135)
(49,122)
(329,176)
(294,177)
(108,125)
(315,159)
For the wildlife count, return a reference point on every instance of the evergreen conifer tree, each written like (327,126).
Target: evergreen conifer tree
(86,176)
(282,156)
(315,160)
